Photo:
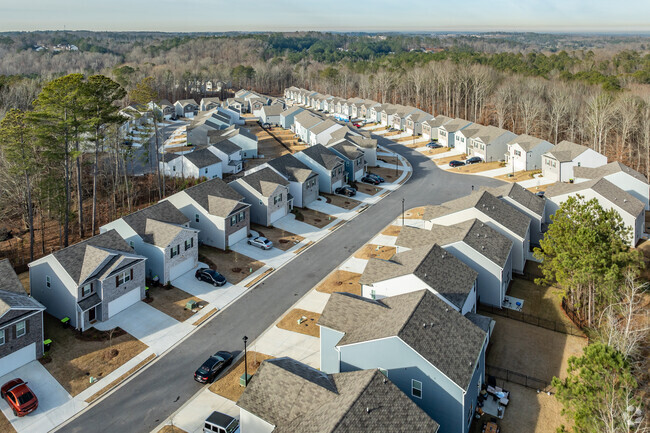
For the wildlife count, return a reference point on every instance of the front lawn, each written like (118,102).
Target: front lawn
(388,174)
(281,239)
(231,264)
(341,201)
(518,176)
(307,325)
(368,189)
(228,386)
(416,213)
(341,281)
(478,167)
(392,230)
(171,301)
(370,251)
(312,217)
(445,160)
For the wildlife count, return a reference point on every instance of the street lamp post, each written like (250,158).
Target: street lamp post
(402,212)
(396,159)
(245,361)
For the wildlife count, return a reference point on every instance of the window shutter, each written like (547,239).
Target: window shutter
(15,333)
(131,274)
(27,322)
(191,242)
(91,286)
(117,280)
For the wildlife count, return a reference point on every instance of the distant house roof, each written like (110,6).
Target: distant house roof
(477,235)
(323,156)
(291,110)
(348,150)
(213,100)
(492,134)
(419,116)
(157,224)
(163,103)
(488,204)
(12,292)
(294,397)
(202,158)
(292,168)
(605,188)
(606,170)
(186,102)
(264,181)
(322,126)
(272,110)
(437,121)
(527,142)
(521,195)
(566,151)
(227,147)
(440,334)
(438,268)
(307,120)
(455,125)
(169,157)
(216,197)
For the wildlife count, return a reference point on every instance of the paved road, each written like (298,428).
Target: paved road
(148,399)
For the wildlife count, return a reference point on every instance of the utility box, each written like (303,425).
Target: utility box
(242,379)
(190,305)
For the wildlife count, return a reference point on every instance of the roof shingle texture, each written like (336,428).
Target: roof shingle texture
(264,181)
(606,170)
(215,196)
(521,195)
(323,156)
(157,224)
(566,151)
(605,188)
(12,292)
(202,158)
(292,168)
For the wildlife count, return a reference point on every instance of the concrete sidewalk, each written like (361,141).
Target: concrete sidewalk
(280,342)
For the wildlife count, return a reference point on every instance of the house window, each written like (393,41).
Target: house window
(206,171)
(462,139)
(416,388)
(2,337)
(20,329)
(175,251)
(277,199)
(189,243)
(373,294)
(48,281)
(131,244)
(233,220)
(124,277)
(242,216)
(517,153)
(443,133)
(87,289)
(196,217)
(469,414)
(173,168)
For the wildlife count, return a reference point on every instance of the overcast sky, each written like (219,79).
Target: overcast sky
(290,15)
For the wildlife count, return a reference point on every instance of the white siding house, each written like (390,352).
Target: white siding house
(558,163)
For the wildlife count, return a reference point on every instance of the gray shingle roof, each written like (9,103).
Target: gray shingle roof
(605,188)
(157,224)
(323,156)
(307,120)
(202,158)
(297,398)
(12,292)
(438,268)
(227,147)
(488,204)
(264,181)
(440,334)
(185,102)
(216,197)
(526,142)
(322,126)
(438,121)
(347,149)
(292,168)
(292,110)
(363,142)
(521,195)
(456,124)
(606,170)
(492,134)
(482,322)
(9,281)
(169,157)
(566,151)
(272,110)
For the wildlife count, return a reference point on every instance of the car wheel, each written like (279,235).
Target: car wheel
(250,243)
(215,284)
(14,411)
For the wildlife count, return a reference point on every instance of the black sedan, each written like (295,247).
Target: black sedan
(376,177)
(473,160)
(210,276)
(371,180)
(456,163)
(434,145)
(213,366)
(346,190)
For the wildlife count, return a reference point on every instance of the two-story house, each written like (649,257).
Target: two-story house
(330,167)
(525,152)
(620,175)
(352,156)
(303,122)
(430,127)
(491,143)
(415,120)
(268,194)
(271,114)
(210,103)
(303,181)
(447,131)
(229,153)
(196,164)
(288,115)
(186,108)
(558,163)
(90,281)
(322,132)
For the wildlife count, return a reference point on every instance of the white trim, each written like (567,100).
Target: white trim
(24,323)
(421,396)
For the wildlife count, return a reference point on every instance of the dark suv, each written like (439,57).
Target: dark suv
(210,276)
(456,163)
(473,160)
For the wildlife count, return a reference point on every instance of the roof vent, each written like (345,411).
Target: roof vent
(431,324)
(367,410)
(624,200)
(424,325)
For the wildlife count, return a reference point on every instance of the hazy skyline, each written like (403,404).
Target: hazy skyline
(291,15)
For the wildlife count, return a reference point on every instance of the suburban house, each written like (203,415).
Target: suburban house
(90,281)
(321,133)
(428,267)
(330,167)
(388,114)
(303,181)
(353,159)
(558,163)
(365,108)
(303,122)
(210,103)
(609,196)
(239,105)
(196,164)
(256,104)
(415,120)
(463,137)
(242,137)
(477,245)
(620,175)
(485,207)
(447,131)
(164,108)
(399,118)
(525,152)
(430,126)
(286,395)
(526,202)
(491,143)
(375,113)
(230,155)
(162,234)
(289,92)
(271,114)
(21,322)
(433,353)
(135,116)
(186,108)
(216,210)
(288,115)
(268,194)
(203,124)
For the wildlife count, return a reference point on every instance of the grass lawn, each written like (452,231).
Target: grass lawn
(414,214)
(388,174)
(231,264)
(171,301)
(312,217)
(445,160)
(281,239)
(341,281)
(392,231)
(308,325)
(341,201)
(5,425)
(540,301)
(228,386)
(74,358)
(477,168)
(368,189)
(370,251)
(519,176)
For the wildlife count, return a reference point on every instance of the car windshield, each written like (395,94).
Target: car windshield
(25,398)
(217,358)
(213,274)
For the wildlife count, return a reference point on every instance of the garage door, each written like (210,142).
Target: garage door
(180,268)
(277,215)
(123,302)
(17,359)
(237,236)
(336,185)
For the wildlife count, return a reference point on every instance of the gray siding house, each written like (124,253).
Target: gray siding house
(303,181)
(352,156)
(90,281)
(21,322)
(287,116)
(330,167)
(268,194)
(434,354)
(491,143)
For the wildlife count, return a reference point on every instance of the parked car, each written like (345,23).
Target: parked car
(220,423)
(473,160)
(21,399)
(266,125)
(210,276)
(434,145)
(358,125)
(456,163)
(346,190)
(540,193)
(376,176)
(371,180)
(213,366)
(261,242)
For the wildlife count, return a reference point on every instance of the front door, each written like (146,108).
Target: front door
(92,314)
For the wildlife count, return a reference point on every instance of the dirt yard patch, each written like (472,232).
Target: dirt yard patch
(417,213)
(24,279)
(368,189)
(540,301)
(539,188)
(370,251)
(409,140)
(5,425)
(171,301)
(388,174)
(171,429)
(481,166)
(228,386)
(312,217)
(392,231)
(531,350)
(445,160)
(341,281)
(307,319)
(231,264)
(519,176)
(388,159)
(281,239)
(74,358)
(341,201)
(431,152)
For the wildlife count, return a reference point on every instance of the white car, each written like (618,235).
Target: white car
(261,242)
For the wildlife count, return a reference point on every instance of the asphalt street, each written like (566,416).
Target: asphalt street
(149,398)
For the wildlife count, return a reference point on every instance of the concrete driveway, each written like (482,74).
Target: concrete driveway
(217,296)
(55,405)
